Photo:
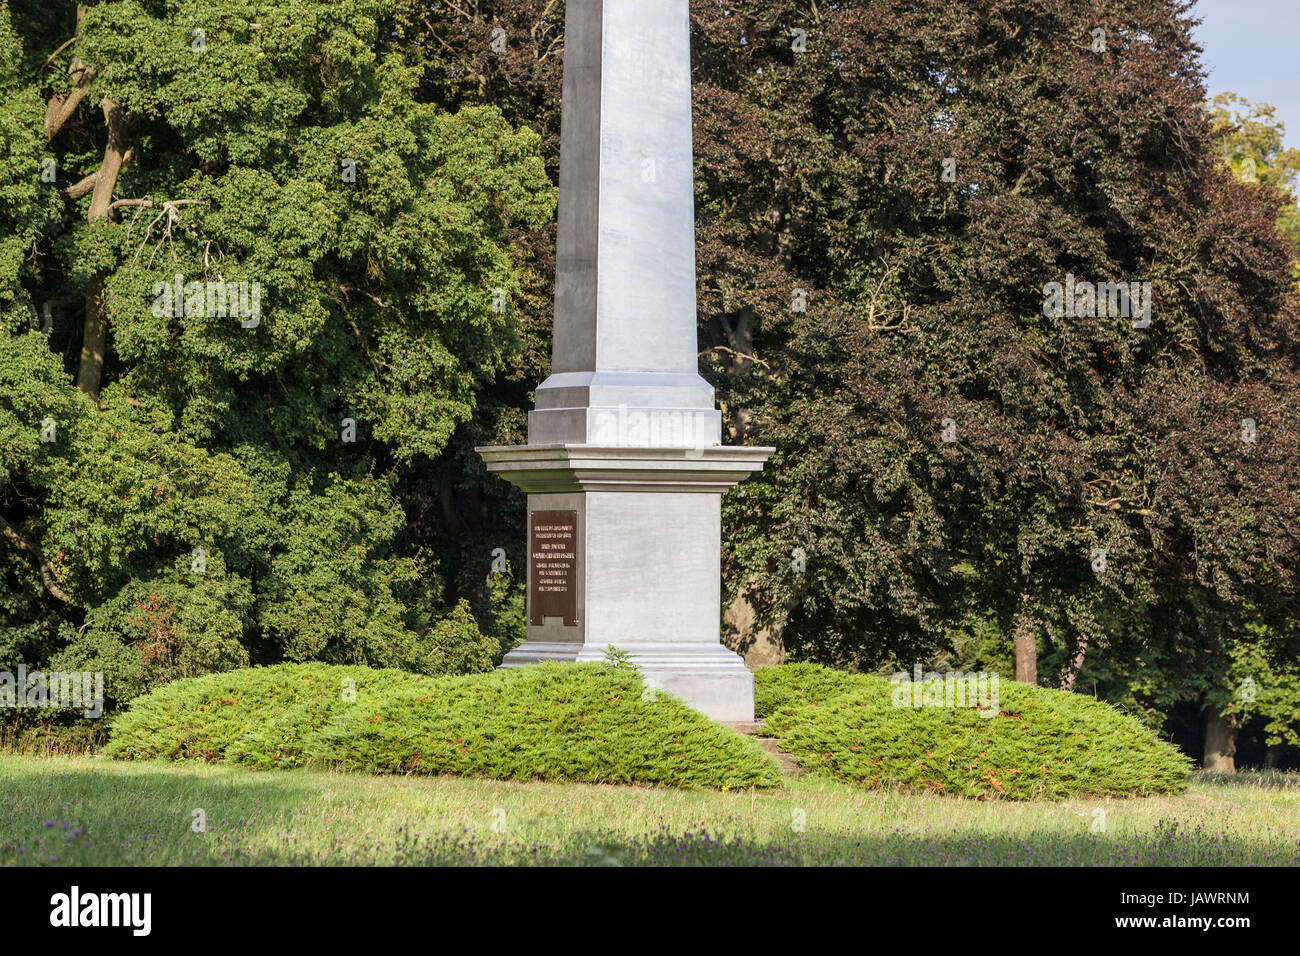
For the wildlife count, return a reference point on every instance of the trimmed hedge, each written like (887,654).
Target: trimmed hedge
(779,687)
(583,722)
(257,717)
(1042,744)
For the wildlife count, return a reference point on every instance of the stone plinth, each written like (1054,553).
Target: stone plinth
(648,575)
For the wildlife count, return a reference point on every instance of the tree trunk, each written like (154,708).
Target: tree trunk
(59,110)
(1273,756)
(94,338)
(1076,663)
(1220,743)
(1026,643)
(759,644)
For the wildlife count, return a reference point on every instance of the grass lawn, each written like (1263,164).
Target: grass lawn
(85,810)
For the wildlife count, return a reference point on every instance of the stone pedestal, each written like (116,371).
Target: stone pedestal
(646,572)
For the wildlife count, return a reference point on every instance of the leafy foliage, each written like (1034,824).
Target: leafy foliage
(776,688)
(258,716)
(1043,744)
(586,722)
(204,504)
(1251,137)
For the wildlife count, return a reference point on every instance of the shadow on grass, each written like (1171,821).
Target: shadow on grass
(1167,846)
(56,816)
(1258,779)
(70,817)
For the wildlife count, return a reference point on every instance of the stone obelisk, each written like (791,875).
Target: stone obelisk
(624,466)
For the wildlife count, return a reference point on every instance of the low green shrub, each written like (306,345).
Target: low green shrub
(1042,744)
(257,717)
(548,722)
(778,687)
(583,722)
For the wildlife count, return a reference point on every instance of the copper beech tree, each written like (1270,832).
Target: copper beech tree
(886,192)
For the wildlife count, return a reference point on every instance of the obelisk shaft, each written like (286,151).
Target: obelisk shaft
(625,309)
(626,261)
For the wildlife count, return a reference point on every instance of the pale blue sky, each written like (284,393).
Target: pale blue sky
(1252,47)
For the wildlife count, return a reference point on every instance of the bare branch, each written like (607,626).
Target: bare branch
(80,189)
(738,355)
(168,212)
(47,572)
(63,46)
(348,290)
(62,105)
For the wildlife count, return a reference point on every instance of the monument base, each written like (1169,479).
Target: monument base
(713,680)
(624,552)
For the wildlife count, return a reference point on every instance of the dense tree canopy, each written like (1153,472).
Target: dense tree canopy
(885,191)
(886,194)
(951,455)
(221,484)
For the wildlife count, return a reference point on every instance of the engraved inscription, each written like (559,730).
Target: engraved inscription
(553,566)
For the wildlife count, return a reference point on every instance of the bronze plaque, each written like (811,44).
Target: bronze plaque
(553,566)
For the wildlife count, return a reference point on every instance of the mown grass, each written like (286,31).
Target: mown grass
(74,811)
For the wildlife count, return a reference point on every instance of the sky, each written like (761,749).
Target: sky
(1252,47)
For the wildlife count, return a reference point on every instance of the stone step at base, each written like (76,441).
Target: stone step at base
(787,762)
(758,730)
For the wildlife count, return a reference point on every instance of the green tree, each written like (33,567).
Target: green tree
(1251,138)
(226,474)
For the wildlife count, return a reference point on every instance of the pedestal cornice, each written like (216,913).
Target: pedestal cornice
(551,469)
